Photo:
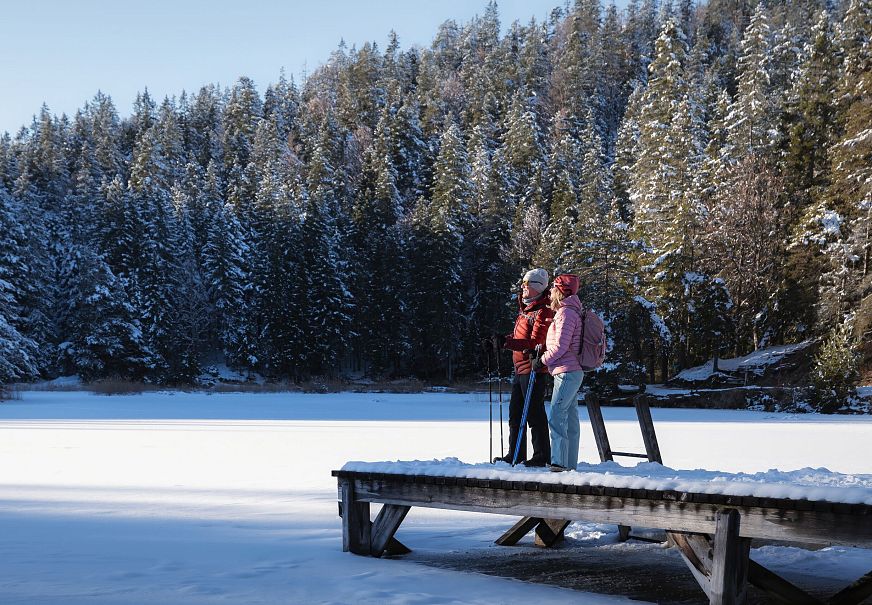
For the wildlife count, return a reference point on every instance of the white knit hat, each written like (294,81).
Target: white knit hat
(537,279)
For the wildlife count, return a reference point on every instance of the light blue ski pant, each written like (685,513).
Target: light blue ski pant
(563,421)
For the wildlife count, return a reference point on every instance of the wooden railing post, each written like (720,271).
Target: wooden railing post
(598,425)
(646,423)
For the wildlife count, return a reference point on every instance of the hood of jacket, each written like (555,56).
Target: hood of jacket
(572,302)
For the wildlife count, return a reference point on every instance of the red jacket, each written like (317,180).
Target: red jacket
(531,328)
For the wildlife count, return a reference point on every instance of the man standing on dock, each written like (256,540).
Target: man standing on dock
(531,326)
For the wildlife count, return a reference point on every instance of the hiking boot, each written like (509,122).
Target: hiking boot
(556,468)
(536,462)
(507,459)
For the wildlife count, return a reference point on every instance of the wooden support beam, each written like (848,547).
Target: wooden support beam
(646,423)
(518,531)
(729,571)
(778,587)
(395,547)
(356,524)
(696,550)
(855,593)
(385,526)
(806,523)
(550,532)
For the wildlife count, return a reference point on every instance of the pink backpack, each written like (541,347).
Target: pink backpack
(592,352)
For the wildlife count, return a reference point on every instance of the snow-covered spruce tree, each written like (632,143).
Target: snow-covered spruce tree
(615,82)
(437,300)
(601,254)
(809,112)
(573,81)
(534,63)
(203,130)
(835,371)
(192,306)
(409,153)
(524,165)
(226,271)
(119,226)
(490,276)
(831,235)
(750,119)
(359,99)
(17,352)
(395,76)
(105,137)
(278,307)
(664,192)
(625,153)
(239,123)
(564,175)
(105,338)
(281,104)
(156,273)
(45,240)
(850,189)
(326,314)
(377,272)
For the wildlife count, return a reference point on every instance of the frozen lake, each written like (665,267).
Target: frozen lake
(227,498)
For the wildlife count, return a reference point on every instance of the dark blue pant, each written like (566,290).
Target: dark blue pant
(537,420)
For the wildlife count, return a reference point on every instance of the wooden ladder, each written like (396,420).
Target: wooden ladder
(646,425)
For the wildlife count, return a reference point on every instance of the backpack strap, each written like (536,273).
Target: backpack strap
(583,316)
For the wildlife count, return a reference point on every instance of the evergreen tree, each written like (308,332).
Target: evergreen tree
(226,272)
(438,291)
(322,268)
(17,351)
(274,266)
(524,164)
(157,273)
(810,113)
(834,374)
(850,189)
(750,115)
(105,338)
(239,124)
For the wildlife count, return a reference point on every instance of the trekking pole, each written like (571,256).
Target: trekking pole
(500,391)
(490,399)
(524,416)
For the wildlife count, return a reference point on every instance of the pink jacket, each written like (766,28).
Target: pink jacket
(564,338)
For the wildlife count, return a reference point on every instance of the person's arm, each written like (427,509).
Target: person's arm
(520,344)
(564,329)
(539,333)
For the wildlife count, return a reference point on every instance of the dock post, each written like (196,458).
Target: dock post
(356,523)
(729,579)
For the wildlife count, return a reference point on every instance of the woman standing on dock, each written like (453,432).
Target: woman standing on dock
(562,345)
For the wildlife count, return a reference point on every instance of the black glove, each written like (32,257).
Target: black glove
(499,341)
(536,363)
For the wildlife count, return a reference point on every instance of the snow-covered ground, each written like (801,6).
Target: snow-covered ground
(228,498)
(754,362)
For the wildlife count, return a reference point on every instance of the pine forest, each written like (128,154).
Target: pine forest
(705,168)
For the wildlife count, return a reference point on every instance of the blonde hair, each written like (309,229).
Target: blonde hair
(557,299)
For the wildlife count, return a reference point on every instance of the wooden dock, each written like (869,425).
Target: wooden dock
(712,531)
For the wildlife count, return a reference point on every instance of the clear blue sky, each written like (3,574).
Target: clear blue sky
(62,51)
